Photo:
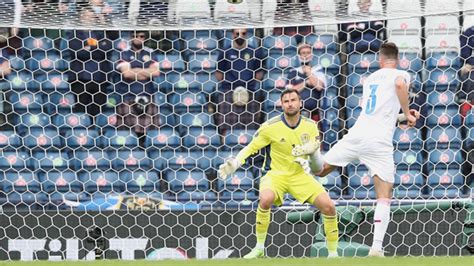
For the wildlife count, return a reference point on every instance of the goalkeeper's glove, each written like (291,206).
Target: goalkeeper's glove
(304,164)
(228,167)
(305,149)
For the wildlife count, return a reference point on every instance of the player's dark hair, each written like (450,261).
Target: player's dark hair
(389,50)
(288,91)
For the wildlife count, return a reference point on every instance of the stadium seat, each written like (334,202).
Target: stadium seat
(444,98)
(62,103)
(171,62)
(188,102)
(26,102)
(237,139)
(38,44)
(52,82)
(280,64)
(325,8)
(188,185)
(333,184)
(120,138)
(23,80)
(363,63)
(279,45)
(82,138)
(411,62)
(22,188)
(107,181)
(139,182)
(17,63)
(441,159)
(61,185)
(73,120)
(322,43)
(408,184)
(443,138)
(442,43)
(441,80)
(130,160)
(404,26)
(272,102)
(14,160)
(43,138)
(443,61)
(208,82)
(28,121)
(203,62)
(351,116)
(355,82)
(361,184)
(239,186)
(274,80)
(331,119)
(49,160)
(189,120)
(91,160)
(446,183)
(407,138)
(201,138)
(330,137)
(45,62)
(442,116)
(10,140)
(407,43)
(408,159)
(186,82)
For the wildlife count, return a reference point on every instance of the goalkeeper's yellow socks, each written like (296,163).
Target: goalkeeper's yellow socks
(332,232)
(263,221)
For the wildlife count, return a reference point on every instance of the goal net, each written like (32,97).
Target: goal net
(115,116)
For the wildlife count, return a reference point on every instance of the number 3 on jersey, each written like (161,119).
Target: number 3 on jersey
(372,101)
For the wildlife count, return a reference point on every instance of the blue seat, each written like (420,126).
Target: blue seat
(61,185)
(167,81)
(469,143)
(190,181)
(62,103)
(274,80)
(331,63)
(443,61)
(188,102)
(82,138)
(407,138)
(54,82)
(43,138)
(163,138)
(331,119)
(408,184)
(361,184)
(280,63)
(130,160)
(189,120)
(443,116)
(186,81)
(203,62)
(441,80)
(333,184)
(408,159)
(352,115)
(363,63)
(237,139)
(140,181)
(38,43)
(272,102)
(355,82)
(23,80)
(14,160)
(330,99)
(190,160)
(469,120)
(106,120)
(26,102)
(444,98)
(330,137)
(238,187)
(322,43)
(120,138)
(50,159)
(280,45)
(22,188)
(208,82)
(416,83)
(10,141)
(202,138)
(46,62)
(443,137)
(74,120)
(411,62)
(17,63)
(446,183)
(221,156)
(91,160)
(445,159)
(107,181)
(27,121)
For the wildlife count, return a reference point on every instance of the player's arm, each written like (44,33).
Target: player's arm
(259,141)
(401,87)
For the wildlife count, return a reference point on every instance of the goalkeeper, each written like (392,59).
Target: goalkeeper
(289,139)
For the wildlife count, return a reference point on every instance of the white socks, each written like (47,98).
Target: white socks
(381,220)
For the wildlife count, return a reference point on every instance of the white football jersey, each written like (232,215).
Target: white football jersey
(380,106)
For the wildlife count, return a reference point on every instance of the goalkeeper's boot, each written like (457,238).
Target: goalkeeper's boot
(376,253)
(333,255)
(255,253)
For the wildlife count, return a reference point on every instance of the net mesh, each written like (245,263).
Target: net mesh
(132,106)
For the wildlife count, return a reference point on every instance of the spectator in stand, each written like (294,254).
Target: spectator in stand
(89,65)
(363,36)
(136,88)
(239,72)
(307,79)
(465,92)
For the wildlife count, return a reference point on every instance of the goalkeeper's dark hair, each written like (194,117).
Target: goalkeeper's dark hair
(389,50)
(288,91)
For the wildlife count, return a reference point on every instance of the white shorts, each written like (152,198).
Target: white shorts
(377,156)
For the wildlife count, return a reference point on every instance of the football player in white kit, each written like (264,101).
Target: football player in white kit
(370,139)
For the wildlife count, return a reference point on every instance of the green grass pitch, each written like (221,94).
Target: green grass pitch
(389,261)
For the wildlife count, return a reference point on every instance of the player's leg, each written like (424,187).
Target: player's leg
(383,191)
(306,189)
(270,192)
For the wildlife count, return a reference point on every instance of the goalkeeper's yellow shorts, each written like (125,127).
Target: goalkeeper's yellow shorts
(303,187)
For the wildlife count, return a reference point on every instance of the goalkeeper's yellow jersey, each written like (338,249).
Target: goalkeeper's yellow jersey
(278,139)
